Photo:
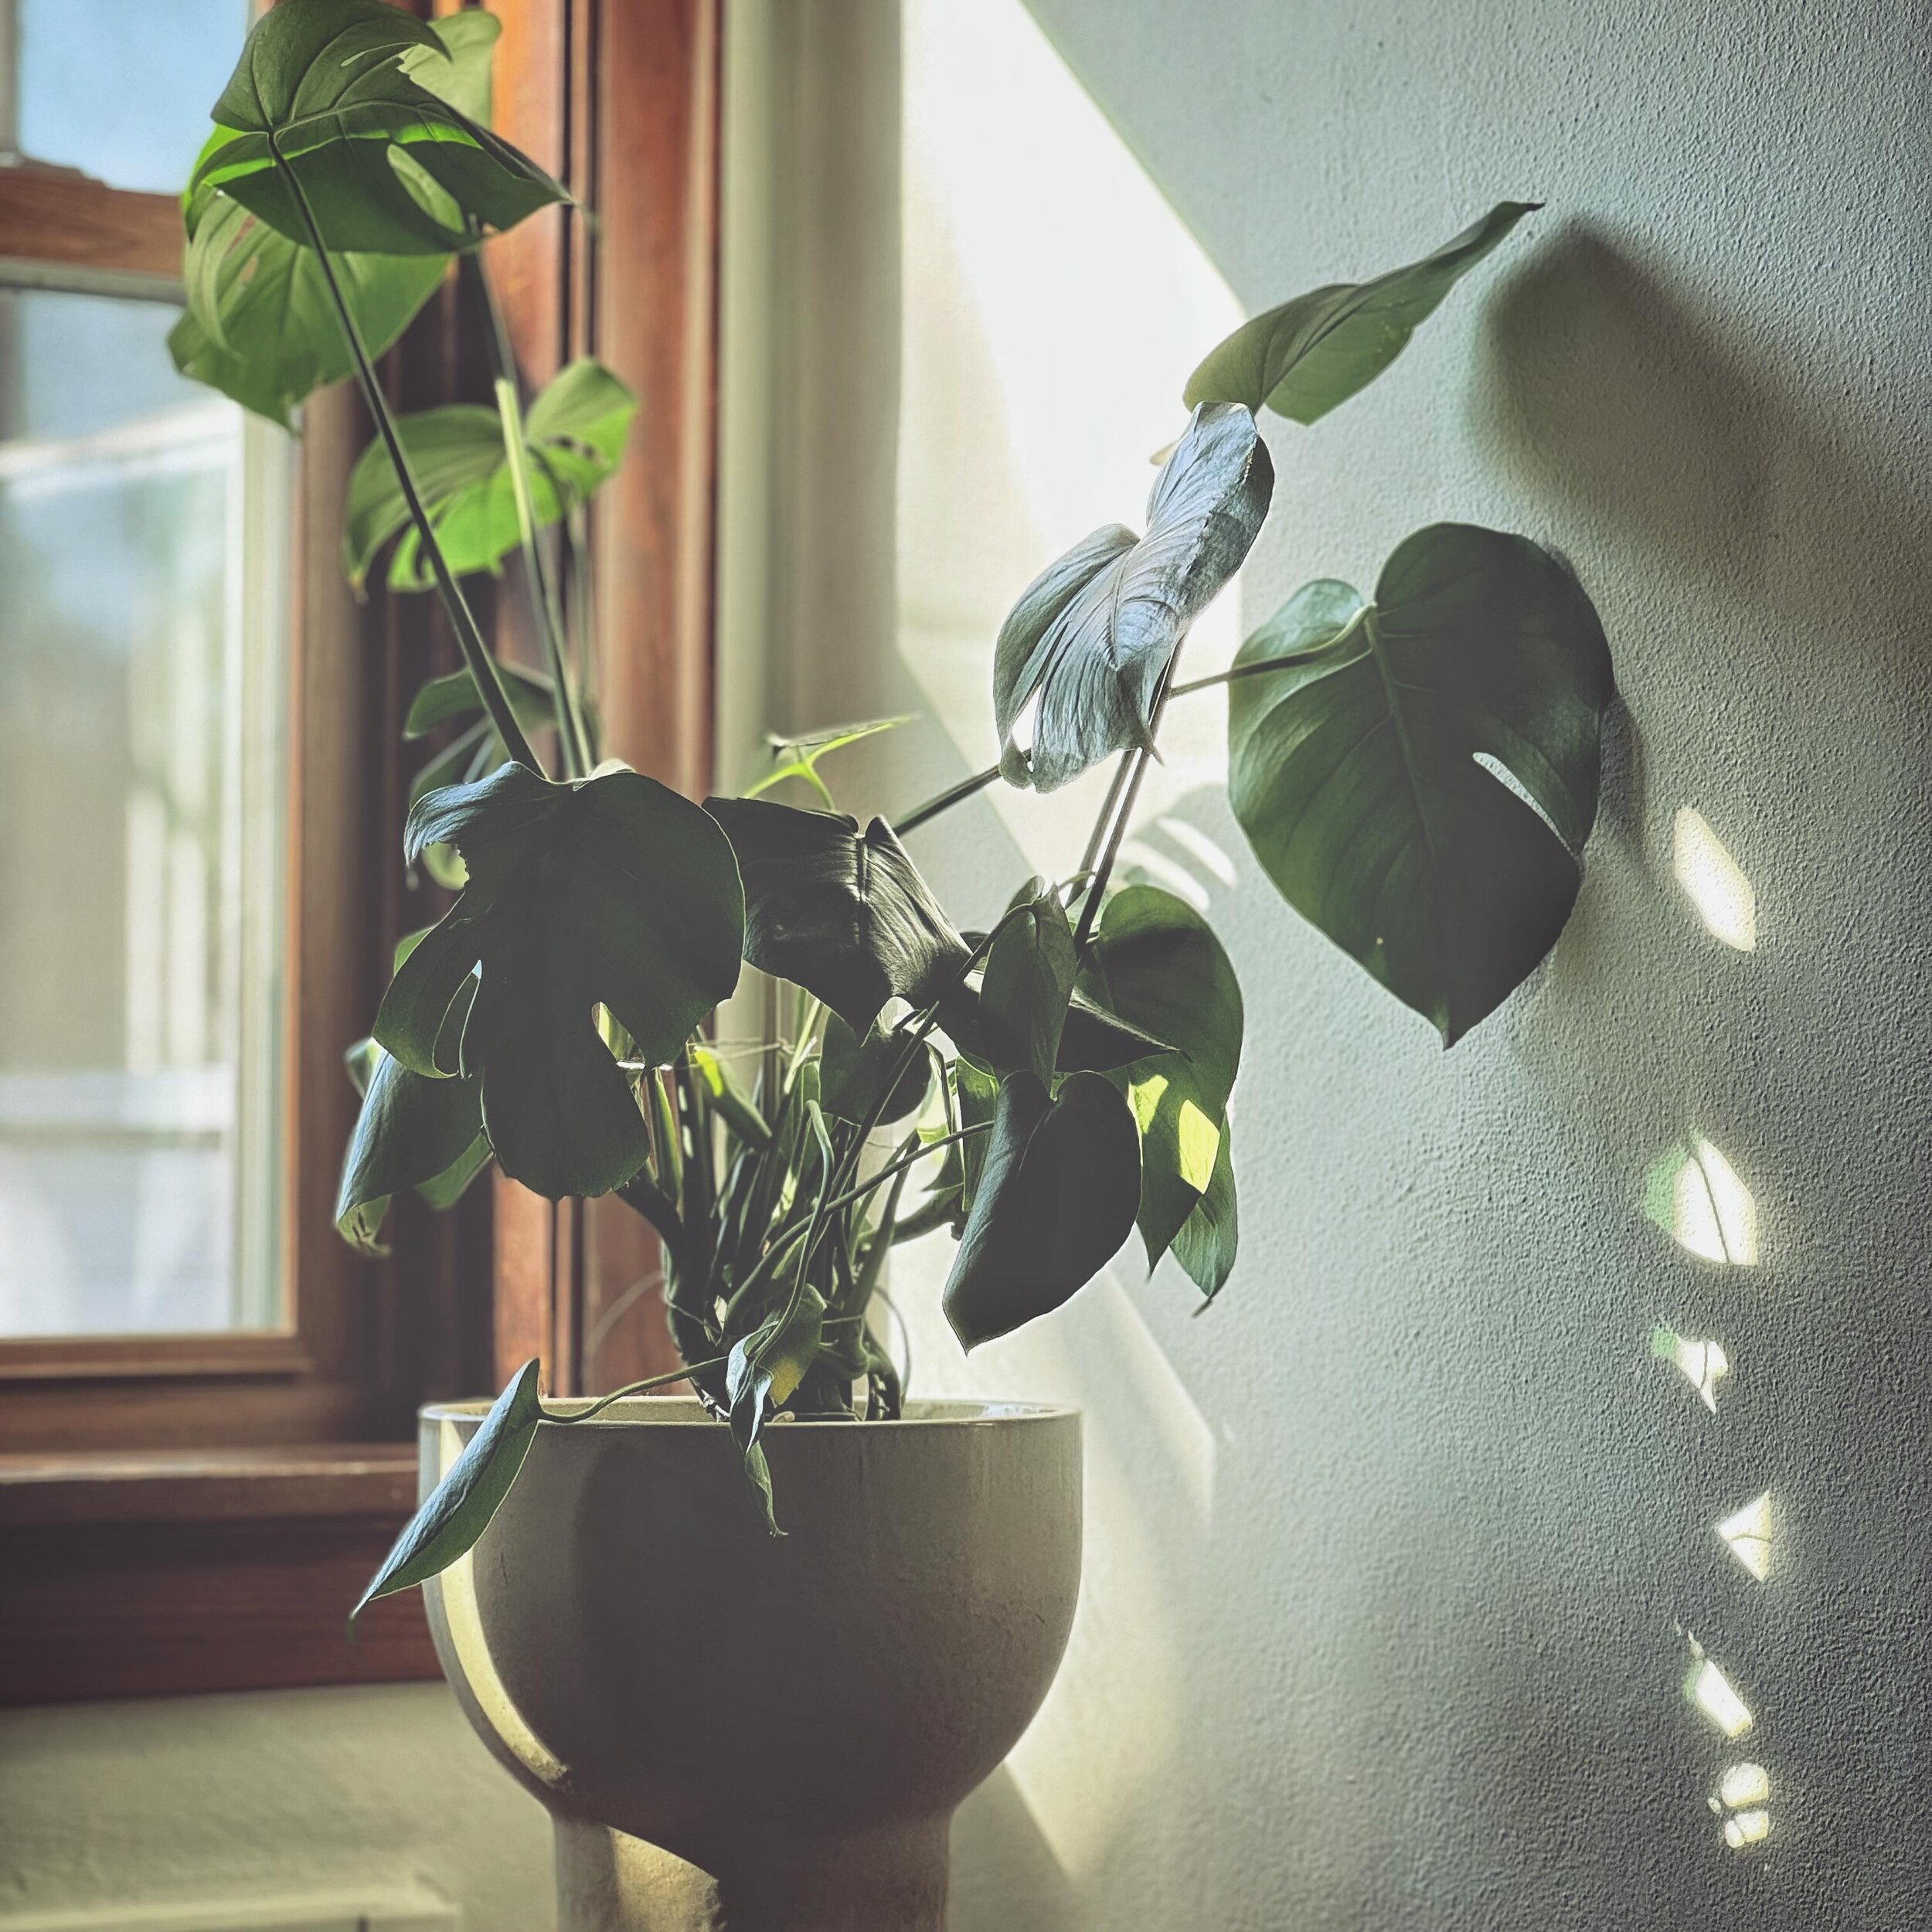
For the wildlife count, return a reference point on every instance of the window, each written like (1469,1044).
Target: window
(205,1399)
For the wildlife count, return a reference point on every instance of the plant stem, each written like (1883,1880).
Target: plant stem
(476,656)
(635,1388)
(786,1241)
(572,737)
(952,795)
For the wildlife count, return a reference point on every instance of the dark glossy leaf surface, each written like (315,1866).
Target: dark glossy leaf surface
(442,700)
(1092,635)
(458,1510)
(845,915)
(764,1368)
(1356,772)
(411,1132)
(854,1072)
(574,432)
(612,891)
(1306,356)
(1093,1040)
(1056,1197)
(1028,983)
(1155,961)
(1210,1237)
(389,165)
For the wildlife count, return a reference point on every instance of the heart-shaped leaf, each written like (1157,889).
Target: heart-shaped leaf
(259,326)
(411,1132)
(846,916)
(1210,1236)
(612,891)
(1419,782)
(326,91)
(854,1073)
(1057,1197)
(574,432)
(442,701)
(1093,634)
(1304,357)
(1093,1040)
(458,1510)
(1027,984)
(1157,963)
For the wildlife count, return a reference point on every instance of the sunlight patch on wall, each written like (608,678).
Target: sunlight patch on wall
(1703,1364)
(1054,303)
(1707,1687)
(1740,1801)
(1714,881)
(1695,1196)
(1747,1535)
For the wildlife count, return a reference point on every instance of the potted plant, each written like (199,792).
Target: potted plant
(1416,773)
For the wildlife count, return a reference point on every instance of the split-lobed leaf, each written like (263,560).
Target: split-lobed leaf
(330,93)
(1092,637)
(1155,961)
(1057,1196)
(842,913)
(1306,356)
(1419,781)
(573,433)
(459,1509)
(610,891)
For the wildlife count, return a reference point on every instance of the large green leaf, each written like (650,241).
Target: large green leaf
(574,432)
(614,891)
(1092,636)
(411,1132)
(1382,777)
(1156,962)
(387,166)
(1306,356)
(458,1510)
(259,326)
(1092,1041)
(845,915)
(1055,1198)
(1211,1236)
(855,1071)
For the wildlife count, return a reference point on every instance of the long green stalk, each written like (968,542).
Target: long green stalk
(469,638)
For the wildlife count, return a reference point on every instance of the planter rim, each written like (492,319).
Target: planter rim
(686,1412)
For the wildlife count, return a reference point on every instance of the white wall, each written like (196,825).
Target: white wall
(292,1804)
(1398,1555)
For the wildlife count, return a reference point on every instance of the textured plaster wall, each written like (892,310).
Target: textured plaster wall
(1398,1555)
(356,1799)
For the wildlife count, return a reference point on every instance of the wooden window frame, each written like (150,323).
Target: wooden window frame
(192,1513)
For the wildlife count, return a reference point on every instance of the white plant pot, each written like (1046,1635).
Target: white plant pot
(768,1735)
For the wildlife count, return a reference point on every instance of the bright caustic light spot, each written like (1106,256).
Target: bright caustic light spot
(1711,1692)
(1702,1364)
(1695,1196)
(1747,1535)
(1740,1801)
(1714,881)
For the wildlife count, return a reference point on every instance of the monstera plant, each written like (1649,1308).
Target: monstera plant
(1416,769)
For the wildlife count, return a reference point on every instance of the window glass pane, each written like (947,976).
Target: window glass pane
(139,831)
(121,88)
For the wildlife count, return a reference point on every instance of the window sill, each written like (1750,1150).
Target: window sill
(166,1573)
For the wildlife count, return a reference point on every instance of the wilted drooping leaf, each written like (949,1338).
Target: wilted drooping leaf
(259,326)
(1157,963)
(411,1132)
(1382,777)
(458,1510)
(843,914)
(612,891)
(1306,356)
(764,1368)
(1092,636)
(327,90)
(1055,1198)
(573,432)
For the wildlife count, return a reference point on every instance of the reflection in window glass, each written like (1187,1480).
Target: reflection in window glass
(139,834)
(121,88)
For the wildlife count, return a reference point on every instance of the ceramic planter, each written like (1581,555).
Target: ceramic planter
(734,1731)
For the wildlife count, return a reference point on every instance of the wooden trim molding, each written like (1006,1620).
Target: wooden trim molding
(153,1574)
(60,216)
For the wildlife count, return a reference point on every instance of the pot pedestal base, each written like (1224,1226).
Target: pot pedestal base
(893,1880)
